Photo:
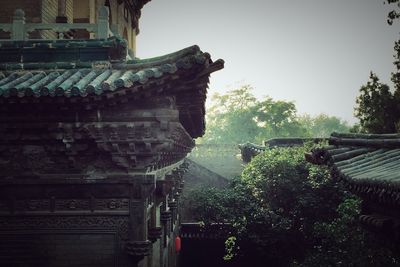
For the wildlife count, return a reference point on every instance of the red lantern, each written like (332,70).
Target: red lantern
(177,244)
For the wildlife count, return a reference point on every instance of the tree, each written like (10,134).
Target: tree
(273,206)
(323,125)
(230,119)
(342,242)
(394,14)
(238,117)
(279,118)
(292,195)
(286,211)
(377,107)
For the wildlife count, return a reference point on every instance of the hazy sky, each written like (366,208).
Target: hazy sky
(316,53)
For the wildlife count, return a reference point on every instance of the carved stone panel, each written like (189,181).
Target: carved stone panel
(112,204)
(61,241)
(72,204)
(56,206)
(117,224)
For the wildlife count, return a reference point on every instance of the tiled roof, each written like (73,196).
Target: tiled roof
(249,150)
(95,78)
(95,72)
(290,141)
(369,164)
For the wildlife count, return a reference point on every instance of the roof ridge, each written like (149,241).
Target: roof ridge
(193,50)
(365,136)
(366,140)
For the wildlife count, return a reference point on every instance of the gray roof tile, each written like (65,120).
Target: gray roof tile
(93,80)
(57,79)
(363,161)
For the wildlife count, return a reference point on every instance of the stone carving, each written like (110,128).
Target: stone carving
(72,204)
(22,159)
(154,233)
(119,224)
(122,146)
(112,204)
(138,248)
(44,205)
(33,205)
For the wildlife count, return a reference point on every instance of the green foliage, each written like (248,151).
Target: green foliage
(212,205)
(294,194)
(323,125)
(230,245)
(278,118)
(272,206)
(343,243)
(286,211)
(377,108)
(238,117)
(231,118)
(394,14)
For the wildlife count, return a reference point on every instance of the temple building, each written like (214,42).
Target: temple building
(92,139)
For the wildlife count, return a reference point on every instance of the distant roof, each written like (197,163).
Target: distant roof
(93,71)
(368,163)
(250,150)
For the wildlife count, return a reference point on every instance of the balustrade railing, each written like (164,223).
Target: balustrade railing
(20,30)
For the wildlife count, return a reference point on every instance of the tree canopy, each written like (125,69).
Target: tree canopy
(238,116)
(395,13)
(286,211)
(377,107)
(323,125)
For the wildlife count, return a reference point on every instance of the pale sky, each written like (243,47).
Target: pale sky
(316,53)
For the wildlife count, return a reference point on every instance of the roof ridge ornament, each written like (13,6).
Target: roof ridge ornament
(101,65)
